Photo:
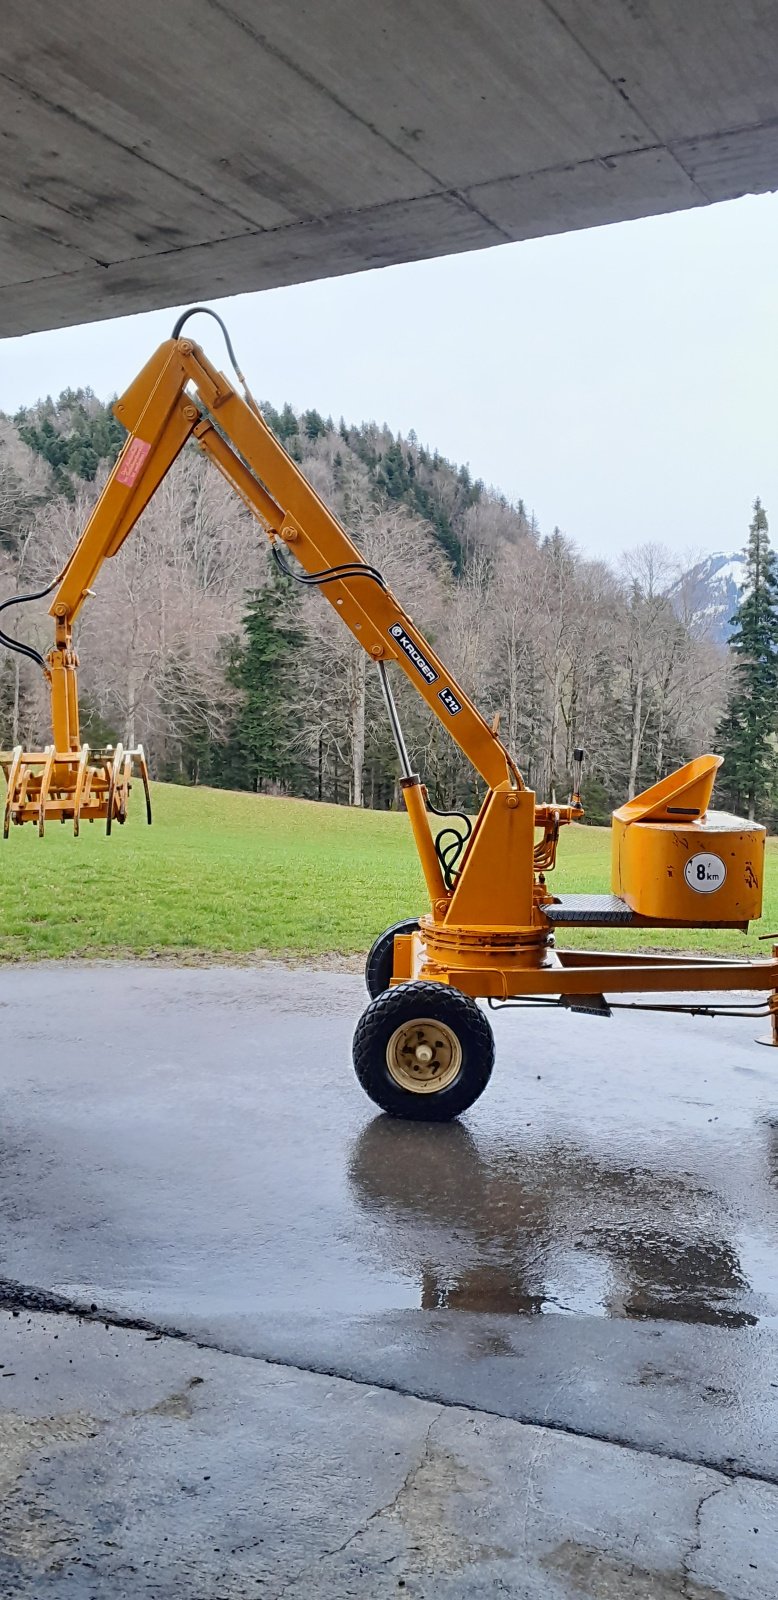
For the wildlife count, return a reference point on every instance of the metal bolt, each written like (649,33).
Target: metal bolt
(190,412)
(513,801)
(376,650)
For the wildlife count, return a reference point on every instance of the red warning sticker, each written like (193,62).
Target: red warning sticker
(132,461)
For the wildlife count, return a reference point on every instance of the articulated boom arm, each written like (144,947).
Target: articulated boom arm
(180,395)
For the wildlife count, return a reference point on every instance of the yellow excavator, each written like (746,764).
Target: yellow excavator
(423,1048)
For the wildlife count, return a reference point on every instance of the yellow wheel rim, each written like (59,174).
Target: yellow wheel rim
(423,1056)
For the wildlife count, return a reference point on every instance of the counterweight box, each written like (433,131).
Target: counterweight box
(673,860)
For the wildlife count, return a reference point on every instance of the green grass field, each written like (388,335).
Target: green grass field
(226,875)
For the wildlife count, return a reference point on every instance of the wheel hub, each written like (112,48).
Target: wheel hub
(424,1056)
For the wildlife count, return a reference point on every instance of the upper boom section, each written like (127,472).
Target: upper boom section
(180,395)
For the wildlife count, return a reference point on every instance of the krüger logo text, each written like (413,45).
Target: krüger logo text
(413,653)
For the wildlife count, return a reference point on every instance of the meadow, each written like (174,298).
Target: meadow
(232,876)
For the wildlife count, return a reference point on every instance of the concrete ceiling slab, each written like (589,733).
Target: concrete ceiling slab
(157,153)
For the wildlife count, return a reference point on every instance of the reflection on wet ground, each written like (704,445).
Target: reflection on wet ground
(486,1224)
(623,1169)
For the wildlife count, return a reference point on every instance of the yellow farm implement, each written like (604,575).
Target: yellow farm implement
(71,785)
(66,781)
(423,1048)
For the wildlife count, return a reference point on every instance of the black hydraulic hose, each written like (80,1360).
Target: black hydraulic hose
(448,854)
(22,650)
(16,644)
(206,311)
(347,569)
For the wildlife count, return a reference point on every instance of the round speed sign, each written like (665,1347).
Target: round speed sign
(705,873)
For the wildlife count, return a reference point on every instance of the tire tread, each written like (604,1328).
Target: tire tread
(376,980)
(386,1012)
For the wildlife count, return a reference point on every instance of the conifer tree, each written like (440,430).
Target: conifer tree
(314,425)
(86,433)
(259,756)
(746,733)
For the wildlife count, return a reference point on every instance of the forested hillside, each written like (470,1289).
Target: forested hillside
(229,675)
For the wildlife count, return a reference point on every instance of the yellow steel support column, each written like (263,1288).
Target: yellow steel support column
(494,888)
(60,698)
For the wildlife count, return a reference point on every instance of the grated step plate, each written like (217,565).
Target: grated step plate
(605,910)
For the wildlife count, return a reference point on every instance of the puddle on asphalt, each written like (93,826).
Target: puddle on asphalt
(606,1194)
(489,1225)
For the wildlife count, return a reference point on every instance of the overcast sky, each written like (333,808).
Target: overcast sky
(621,380)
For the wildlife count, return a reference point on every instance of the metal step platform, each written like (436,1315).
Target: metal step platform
(590,910)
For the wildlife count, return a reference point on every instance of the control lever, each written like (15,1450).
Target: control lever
(578,761)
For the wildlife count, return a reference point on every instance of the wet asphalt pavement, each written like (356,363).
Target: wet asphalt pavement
(593,1248)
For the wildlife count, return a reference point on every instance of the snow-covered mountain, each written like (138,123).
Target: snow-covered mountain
(706,596)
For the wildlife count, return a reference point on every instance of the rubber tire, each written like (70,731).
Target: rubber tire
(401,1004)
(380,962)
